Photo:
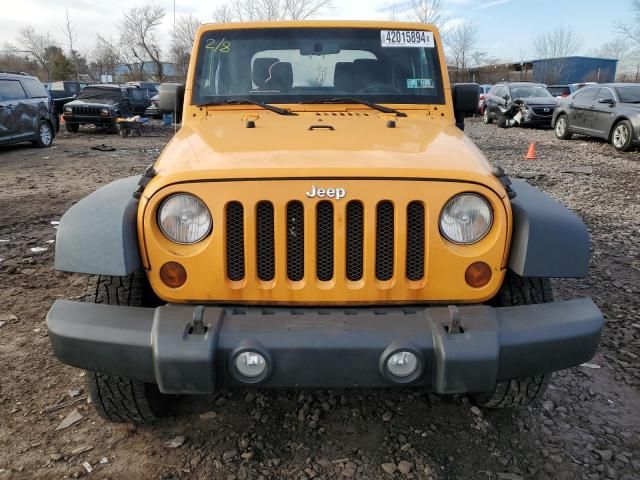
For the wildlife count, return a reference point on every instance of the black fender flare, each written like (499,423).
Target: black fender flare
(548,239)
(98,235)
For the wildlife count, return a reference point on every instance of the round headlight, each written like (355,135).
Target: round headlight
(466,218)
(184,219)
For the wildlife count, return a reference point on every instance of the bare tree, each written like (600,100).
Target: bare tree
(559,42)
(555,46)
(138,32)
(223,14)
(428,11)
(305,9)
(109,53)
(36,46)
(617,48)
(462,44)
(631,30)
(184,33)
(70,35)
(252,10)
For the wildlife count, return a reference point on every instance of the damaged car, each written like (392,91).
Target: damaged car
(99,105)
(519,104)
(610,111)
(26,111)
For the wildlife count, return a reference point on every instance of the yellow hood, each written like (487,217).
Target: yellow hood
(350,143)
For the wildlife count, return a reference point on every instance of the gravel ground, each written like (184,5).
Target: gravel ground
(588,427)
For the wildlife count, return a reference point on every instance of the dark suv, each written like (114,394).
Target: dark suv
(538,103)
(26,111)
(99,105)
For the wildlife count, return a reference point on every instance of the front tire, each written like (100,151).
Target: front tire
(622,136)
(518,392)
(486,118)
(562,128)
(120,399)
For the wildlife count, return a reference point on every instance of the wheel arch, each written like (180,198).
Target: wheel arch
(615,123)
(548,239)
(98,235)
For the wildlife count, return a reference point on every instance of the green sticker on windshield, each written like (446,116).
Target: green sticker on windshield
(419,83)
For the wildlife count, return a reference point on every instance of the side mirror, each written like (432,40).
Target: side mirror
(506,97)
(171,99)
(465,101)
(607,101)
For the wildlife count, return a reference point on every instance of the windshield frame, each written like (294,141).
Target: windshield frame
(530,87)
(438,98)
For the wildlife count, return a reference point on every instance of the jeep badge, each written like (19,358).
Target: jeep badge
(336,193)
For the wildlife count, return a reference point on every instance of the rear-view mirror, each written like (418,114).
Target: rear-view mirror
(607,101)
(319,48)
(171,98)
(466,97)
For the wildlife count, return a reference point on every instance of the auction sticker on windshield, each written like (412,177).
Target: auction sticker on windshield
(407,38)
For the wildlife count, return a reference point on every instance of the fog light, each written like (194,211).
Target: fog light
(478,274)
(173,274)
(402,364)
(250,364)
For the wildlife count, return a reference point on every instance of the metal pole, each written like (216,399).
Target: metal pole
(637,73)
(175,74)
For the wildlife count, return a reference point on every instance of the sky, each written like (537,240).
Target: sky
(506,27)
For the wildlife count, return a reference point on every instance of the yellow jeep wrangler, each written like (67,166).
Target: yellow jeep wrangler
(320,220)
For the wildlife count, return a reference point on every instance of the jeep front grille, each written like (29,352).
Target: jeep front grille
(84,110)
(332,219)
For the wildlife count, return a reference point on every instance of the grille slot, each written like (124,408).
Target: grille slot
(354,240)
(384,240)
(415,241)
(235,241)
(295,241)
(324,241)
(265,249)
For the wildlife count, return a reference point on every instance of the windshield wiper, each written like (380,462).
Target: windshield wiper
(246,101)
(375,106)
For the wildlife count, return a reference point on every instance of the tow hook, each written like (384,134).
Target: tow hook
(454,326)
(197,325)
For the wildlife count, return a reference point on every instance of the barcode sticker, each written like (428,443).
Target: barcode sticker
(407,38)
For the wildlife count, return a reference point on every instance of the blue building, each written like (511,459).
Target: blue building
(574,70)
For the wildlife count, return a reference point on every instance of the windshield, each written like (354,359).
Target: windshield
(529,92)
(563,91)
(100,93)
(287,65)
(629,94)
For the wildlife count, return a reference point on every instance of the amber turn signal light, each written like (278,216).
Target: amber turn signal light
(478,274)
(173,274)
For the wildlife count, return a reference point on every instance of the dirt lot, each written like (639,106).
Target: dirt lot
(588,427)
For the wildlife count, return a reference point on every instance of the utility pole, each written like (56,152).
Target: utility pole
(637,73)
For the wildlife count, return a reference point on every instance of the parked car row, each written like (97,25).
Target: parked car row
(609,111)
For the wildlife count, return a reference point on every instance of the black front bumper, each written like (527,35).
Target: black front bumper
(320,347)
(88,119)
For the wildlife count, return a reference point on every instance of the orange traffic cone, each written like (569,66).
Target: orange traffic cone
(531,154)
